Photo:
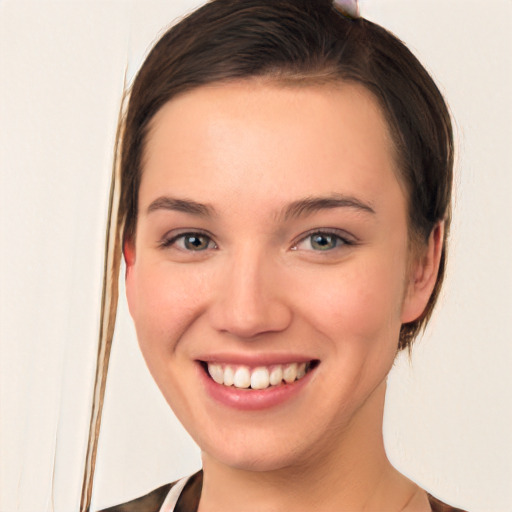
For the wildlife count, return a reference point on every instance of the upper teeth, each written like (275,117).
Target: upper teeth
(260,377)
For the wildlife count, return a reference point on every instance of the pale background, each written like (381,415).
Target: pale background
(449,415)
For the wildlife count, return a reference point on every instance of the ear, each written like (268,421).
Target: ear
(129,253)
(423,276)
(129,277)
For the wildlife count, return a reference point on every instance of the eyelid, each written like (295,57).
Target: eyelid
(170,238)
(347,238)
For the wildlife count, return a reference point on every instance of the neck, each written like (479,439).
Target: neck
(351,473)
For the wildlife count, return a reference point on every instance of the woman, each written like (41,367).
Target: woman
(286,175)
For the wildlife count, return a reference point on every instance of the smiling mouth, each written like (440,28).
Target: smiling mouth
(259,377)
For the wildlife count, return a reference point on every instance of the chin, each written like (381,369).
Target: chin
(260,451)
(256,460)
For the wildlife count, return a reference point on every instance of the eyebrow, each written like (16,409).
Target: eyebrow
(296,209)
(310,205)
(181,205)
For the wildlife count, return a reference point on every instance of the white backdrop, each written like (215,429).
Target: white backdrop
(449,413)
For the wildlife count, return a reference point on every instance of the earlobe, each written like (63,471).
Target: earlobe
(423,276)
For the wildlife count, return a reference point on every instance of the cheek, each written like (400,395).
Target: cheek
(359,303)
(163,302)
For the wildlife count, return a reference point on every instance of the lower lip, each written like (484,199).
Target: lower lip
(253,399)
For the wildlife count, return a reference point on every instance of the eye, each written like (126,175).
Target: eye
(322,241)
(194,242)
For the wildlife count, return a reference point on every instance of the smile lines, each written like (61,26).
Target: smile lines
(261,377)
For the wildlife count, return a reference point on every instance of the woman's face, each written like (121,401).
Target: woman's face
(272,234)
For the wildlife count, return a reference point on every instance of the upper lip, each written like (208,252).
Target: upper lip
(253,360)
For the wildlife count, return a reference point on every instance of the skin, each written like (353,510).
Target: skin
(247,151)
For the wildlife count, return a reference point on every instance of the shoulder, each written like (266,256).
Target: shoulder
(150,502)
(438,506)
(184,496)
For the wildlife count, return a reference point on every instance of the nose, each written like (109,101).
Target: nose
(251,298)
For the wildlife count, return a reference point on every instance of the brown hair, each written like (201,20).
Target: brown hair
(302,41)
(295,42)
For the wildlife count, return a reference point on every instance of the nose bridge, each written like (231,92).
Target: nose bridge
(250,301)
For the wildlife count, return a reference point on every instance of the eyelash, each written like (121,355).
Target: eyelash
(169,242)
(341,239)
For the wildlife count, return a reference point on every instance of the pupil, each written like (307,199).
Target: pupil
(322,242)
(196,242)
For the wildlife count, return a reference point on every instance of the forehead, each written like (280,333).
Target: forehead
(268,142)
